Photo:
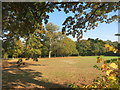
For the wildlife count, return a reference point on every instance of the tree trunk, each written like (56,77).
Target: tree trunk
(50,48)
(50,54)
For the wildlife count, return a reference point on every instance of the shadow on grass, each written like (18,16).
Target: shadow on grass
(7,64)
(25,78)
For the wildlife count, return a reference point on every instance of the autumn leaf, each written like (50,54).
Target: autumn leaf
(113,65)
(107,45)
(115,51)
(88,86)
(111,48)
(112,77)
(108,72)
(104,66)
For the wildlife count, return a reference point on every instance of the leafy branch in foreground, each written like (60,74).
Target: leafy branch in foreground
(111,78)
(19,18)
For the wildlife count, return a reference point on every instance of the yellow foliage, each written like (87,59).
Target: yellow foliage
(83,86)
(115,51)
(104,66)
(112,77)
(89,86)
(107,45)
(113,65)
(111,48)
(108,72)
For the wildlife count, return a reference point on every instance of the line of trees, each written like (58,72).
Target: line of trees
(48,41)
(93,47)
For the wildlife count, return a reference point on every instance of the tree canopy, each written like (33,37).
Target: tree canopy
(65,47)
(21,18)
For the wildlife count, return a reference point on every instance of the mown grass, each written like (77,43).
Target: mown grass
(54,72)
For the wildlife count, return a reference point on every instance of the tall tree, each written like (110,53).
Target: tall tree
(52,35)
(33,46)
(65,47)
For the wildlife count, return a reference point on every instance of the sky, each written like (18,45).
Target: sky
(103,31)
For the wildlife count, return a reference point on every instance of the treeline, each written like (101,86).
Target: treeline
(93,47)
(49,42)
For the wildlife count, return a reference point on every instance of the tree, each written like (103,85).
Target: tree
(13,47)
(17,48)
(97,46)
(20,18)
(65,47)
(51,35)
(33,46)
(84,47)
(91,47)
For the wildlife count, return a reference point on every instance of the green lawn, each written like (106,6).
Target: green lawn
(54,72)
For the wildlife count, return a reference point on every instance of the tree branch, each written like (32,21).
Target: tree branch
(92,14)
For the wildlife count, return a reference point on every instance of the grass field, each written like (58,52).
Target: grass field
(50,73)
